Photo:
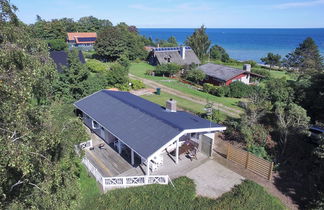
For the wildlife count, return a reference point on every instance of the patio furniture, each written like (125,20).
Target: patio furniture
(193,154)
(102,145)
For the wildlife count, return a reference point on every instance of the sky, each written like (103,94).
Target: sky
(182,13)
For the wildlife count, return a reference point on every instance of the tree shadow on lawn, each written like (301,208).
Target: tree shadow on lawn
(297,174)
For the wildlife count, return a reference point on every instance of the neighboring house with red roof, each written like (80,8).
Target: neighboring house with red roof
(224,75)
(81,39)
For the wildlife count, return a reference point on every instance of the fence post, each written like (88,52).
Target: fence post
(247,160)
(228,150)
(270,171)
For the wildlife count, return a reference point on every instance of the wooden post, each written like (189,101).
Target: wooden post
(177,151)
(132,157)
(247,159)
(270,171)
(228,150)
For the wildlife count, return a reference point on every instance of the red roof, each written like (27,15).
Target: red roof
(74,36)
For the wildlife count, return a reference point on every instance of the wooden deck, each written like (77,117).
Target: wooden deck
(107,161)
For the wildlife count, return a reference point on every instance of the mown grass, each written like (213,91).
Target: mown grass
(181,103)
(139,69)
(248,195)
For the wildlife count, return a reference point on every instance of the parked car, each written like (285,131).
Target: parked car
(316,134)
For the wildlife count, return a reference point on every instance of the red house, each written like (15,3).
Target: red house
(223,75)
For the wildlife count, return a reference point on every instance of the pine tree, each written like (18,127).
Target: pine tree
(199,42)
(305,58)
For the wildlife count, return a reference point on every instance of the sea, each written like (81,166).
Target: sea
(246,44)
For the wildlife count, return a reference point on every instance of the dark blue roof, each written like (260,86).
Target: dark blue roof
(60,58)
(142,125)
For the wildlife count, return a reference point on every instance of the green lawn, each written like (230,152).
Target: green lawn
(139,69)
(248,195)
(182,103)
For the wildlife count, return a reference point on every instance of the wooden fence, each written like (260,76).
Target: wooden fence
(251,162)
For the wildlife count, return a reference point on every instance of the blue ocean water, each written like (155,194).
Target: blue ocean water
(246,44)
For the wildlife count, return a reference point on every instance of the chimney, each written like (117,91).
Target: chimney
(171,105)
(183,52)
(247,67)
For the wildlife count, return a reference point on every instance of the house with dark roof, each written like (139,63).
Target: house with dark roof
(60,59)
(224,75)
(182,55)
(148,131)
(82,40)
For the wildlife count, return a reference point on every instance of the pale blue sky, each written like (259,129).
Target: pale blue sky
(183,13)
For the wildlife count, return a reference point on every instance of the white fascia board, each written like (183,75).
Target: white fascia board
(198,130)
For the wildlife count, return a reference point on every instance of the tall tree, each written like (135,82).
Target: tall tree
(199,42)
(272,60)
(114,42)
(71,83)
(219,53)
(305,58)
(38,166)
(291,118)
(92,24)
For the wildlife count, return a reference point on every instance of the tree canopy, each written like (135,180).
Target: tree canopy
(272,60)
(38,168)
(199,42)
(115,42)
(305,58)
(219,53)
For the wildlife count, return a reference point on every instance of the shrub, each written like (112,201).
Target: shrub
(195,75)
(251,62)
(208,88)
(239,90)
(123,60)
(57,44)
(167,69)
(96,66)
(88,54)
(220,91)
(137,84)
(262,72)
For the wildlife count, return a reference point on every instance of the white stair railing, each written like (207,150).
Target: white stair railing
(126,181)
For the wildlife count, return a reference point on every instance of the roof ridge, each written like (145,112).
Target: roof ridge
(143,110)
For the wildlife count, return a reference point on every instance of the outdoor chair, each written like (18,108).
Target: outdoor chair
(193,154)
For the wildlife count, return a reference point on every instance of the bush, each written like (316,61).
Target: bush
(57,44)
(96,66)
(208,88)
(251,62)
(137,84)
(123,60)
(239,90)
(259,151)
(88,54)
(167,69)
(195,75)
(262,72)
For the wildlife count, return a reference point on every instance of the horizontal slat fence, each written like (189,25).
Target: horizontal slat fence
(251,162)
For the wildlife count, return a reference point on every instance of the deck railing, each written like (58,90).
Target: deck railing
(127,181)
(85,144)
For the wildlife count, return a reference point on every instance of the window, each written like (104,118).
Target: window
(95,125)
